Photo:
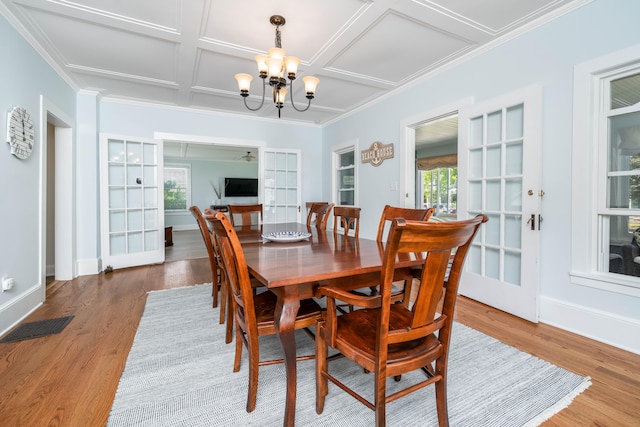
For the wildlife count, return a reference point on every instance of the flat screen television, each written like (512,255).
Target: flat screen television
(241,187)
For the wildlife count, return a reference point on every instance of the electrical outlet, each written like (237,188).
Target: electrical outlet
(7,283)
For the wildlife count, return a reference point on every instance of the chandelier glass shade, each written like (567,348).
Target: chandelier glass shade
(274,69)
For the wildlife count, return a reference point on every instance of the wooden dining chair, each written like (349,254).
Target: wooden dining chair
(226,303)
(347,217)
(213,262)
(245,215)
(391,339)
(319,215)
(389,213)
(254,313)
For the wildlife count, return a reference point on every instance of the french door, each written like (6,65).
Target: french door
(499,176)
(281,186)
(132,201)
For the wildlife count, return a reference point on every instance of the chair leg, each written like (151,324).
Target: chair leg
(322,388)
(380,399)
(254,358)
(441,403)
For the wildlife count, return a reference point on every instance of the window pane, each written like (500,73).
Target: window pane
(475,132)
(624,252)
(494,127)
(515,119)
(623,179)
(624,141)
(347,159)
(624,92)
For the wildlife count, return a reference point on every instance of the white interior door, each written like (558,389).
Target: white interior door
(281,186)
(132,201)
(499,176)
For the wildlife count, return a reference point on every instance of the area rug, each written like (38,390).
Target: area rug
(180,373)
(37,329)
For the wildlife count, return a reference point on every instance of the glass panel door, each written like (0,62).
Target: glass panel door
(495,139)
(281,200)
(132,213)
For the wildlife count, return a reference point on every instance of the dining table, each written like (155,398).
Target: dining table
(293,270)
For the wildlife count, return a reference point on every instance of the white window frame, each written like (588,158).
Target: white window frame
(589,233)
(186,166)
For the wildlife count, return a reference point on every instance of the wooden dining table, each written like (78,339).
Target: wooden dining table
(294,270)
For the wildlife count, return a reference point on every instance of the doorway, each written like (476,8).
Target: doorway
(57,236)
(436,159)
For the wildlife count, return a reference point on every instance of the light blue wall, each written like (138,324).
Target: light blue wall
(545,56)
(24,78)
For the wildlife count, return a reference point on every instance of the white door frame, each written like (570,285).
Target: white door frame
(407,149)
(65,241)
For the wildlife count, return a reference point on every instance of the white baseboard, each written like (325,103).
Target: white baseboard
(14,311)
(618,331)
(85,267)
(184,227)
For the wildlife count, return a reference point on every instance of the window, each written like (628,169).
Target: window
(606,173)
(345,176)
(177,187)
(619,200)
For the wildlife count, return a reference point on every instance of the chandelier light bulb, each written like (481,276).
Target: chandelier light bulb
(244,81)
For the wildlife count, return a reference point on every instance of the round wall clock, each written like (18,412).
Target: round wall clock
(20,134)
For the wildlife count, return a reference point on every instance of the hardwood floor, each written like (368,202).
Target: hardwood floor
(187,244)
(70,379)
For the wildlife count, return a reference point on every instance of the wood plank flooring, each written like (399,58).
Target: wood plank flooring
(70,379)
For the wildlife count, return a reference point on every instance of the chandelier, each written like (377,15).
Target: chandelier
(271,69)
(248,157)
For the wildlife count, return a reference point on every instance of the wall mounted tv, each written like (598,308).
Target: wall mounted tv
(241,187)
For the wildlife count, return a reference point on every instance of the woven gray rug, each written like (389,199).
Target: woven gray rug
(180,373)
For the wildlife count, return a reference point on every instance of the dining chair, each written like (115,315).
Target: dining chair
(391,339)
(319,215)
(246,214)
(389,213)
(348,217)
(213,261)
(225,301)
(254,312)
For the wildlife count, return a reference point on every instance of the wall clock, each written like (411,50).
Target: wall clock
(20,134)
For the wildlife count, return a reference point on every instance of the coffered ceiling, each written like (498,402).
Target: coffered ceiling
(186,52)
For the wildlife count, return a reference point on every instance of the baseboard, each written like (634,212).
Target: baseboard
(184,227)
(86,267)
(14,311)
(618,331)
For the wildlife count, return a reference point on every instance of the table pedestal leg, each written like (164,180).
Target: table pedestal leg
(285,316)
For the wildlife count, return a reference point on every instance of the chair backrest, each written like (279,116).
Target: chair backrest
(247,214)
(319,215)
(389,213)
(347,217)
(237,273)
(208,242)
(439,242)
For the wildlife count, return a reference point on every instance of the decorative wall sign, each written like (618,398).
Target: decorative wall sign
(20,133)
(377,153)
